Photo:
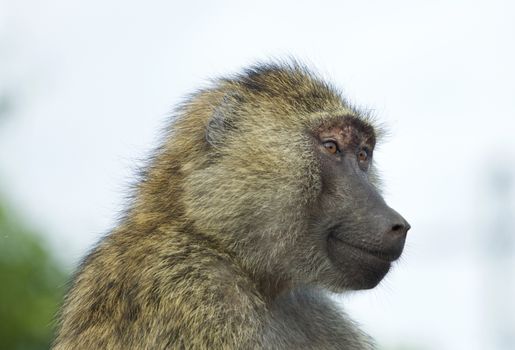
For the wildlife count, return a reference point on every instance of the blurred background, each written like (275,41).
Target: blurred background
(85,87)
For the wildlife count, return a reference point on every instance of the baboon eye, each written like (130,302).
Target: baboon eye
(363,155)
(331,147)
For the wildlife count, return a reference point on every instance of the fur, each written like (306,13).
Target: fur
(214,250)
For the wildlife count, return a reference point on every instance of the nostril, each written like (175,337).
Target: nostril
(398,227)
(402,228)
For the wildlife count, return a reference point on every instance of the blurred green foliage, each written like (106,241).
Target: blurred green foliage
(31,286)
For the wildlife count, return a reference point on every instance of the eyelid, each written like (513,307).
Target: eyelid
(330,140)
(366,149)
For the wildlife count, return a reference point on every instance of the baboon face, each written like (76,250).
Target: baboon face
(287,183)
(298,201)
(360,234)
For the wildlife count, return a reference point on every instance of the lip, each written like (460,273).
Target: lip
(378,254)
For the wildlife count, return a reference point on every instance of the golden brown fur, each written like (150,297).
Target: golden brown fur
(214,251)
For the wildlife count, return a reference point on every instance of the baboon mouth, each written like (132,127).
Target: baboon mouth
(387,256)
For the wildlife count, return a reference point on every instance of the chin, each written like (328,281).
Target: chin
(367,278)
(354,268)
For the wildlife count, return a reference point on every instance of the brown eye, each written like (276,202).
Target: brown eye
(363,155)
(331,147)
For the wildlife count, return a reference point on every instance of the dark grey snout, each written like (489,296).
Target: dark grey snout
(394,231)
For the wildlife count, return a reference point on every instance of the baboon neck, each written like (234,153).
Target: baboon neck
(271,289)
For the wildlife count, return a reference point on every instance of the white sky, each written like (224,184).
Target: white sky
(95,80)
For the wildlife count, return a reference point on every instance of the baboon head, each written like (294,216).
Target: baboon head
(277,171)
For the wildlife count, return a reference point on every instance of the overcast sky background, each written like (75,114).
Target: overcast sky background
(91,83)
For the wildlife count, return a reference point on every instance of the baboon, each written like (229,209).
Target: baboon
(261,201)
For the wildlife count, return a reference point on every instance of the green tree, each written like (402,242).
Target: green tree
(31,286)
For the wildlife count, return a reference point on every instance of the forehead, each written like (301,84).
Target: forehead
(347,129)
